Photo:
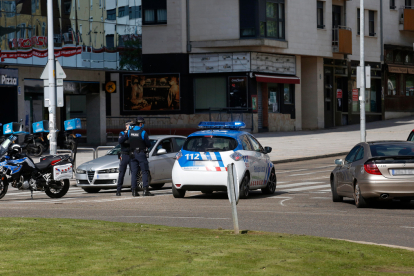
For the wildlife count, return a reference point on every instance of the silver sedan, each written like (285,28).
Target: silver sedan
(102,173)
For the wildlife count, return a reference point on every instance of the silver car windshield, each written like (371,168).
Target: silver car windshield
(116,150)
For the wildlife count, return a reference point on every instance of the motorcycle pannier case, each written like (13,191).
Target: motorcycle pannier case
(62,172)
(42,126)
(73,124)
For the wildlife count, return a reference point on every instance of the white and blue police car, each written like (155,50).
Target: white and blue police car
(201,164)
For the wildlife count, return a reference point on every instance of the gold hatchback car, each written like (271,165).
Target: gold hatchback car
(372,171)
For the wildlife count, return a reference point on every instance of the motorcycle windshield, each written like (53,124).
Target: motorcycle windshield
(5,145)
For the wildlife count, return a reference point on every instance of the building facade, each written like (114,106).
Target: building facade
(278,65)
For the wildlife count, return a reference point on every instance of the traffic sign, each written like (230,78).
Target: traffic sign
(60,74)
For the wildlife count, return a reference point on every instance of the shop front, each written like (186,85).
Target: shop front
(9,92)
(399,82)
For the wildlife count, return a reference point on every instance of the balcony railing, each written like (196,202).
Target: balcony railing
(407,18)
(342,40)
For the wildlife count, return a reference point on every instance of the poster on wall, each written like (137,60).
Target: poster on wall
(238,92)
(254,103)
(151,92)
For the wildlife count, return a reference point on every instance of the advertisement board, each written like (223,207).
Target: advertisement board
(151,92)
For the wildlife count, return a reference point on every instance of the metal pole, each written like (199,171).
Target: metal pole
(52,86)
(362,64)
(230,179)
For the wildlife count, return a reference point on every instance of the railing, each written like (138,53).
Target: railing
(89,149)
(236,114)
(342,40)
(101,148)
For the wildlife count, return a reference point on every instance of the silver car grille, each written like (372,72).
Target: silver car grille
(91,174)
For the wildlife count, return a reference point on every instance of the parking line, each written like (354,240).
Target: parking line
(297,184)
(299,174)
(306,188)
(170,217)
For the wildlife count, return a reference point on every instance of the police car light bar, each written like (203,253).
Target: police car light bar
(221,125)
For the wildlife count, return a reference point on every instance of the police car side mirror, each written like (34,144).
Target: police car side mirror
(161,151)
(268,149)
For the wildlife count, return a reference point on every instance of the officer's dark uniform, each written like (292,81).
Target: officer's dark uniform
(139,142)
(123,163)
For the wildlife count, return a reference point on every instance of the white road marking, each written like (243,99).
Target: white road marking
(327,190)
(291,171)
(410,227)
(320,198)
(306,188)
(297,184)
(281,203)
(298,174)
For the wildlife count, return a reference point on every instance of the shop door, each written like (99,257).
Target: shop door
(8,105)
(328,91)
(341,101)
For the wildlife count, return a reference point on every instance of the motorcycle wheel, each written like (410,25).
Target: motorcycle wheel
(4,186)
(58,193)
(38,150)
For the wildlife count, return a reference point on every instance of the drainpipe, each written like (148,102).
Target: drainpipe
(188,26)
(381,34)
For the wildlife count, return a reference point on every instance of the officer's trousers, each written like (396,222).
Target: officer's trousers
(139,161)
(123,163)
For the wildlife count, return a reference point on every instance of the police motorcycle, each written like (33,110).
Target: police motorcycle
(35,143)
(67,139)
(50,175)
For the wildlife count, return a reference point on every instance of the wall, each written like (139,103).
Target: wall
(281,122)
(312,93)
(214,20)
(392,35)
(168,38)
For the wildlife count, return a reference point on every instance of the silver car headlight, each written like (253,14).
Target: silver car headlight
(113,170)
(79,171)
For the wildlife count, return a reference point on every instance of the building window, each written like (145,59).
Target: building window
(110,41)
(408,4)
(287,94)
(320,15)
(371,23)
(121,11)
(392,84)
(210,93)
(392,4)
(359,21)
(111,14)
(67,7)
(154,12)
(409,85)
(275,14)
(134,12)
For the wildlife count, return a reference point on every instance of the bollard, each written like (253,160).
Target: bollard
(231,182)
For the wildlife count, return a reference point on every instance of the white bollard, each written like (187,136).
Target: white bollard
(231,183)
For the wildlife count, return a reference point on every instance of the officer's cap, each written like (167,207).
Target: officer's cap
(129,122)
(140,120)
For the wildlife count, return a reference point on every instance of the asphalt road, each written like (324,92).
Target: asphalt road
(301,205)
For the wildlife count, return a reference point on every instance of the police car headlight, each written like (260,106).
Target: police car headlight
(236,156)
(79,171)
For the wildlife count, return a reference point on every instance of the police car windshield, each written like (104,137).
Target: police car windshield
(208,143)
(117,149)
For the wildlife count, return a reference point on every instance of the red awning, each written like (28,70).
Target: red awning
(277,79)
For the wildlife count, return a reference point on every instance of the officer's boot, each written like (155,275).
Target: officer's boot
(147,193)
(118,193)
(135,192)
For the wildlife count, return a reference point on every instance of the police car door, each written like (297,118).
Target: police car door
(163,162)
(248,155)
(260,161)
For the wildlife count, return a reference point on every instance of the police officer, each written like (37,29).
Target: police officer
(139,144)
(124,158)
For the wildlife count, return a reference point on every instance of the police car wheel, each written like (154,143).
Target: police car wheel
(271,184)
(91,190)
(177,193)
(244,187)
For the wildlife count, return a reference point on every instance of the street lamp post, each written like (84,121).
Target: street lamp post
(52,86)
(362,71)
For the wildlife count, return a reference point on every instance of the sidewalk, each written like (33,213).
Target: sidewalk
(303,145)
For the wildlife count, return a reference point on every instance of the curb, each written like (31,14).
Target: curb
(309,158)
(378,244)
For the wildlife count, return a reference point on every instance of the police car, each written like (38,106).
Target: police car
(201,164)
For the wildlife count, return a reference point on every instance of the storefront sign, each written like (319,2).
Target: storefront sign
(410,71)
(339,93)
(398,70)
(151,92)
(9,77)
(354,95)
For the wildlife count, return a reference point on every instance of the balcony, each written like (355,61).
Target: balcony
(342,40)
(407,18)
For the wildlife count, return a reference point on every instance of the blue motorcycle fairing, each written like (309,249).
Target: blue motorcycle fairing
(13,169)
